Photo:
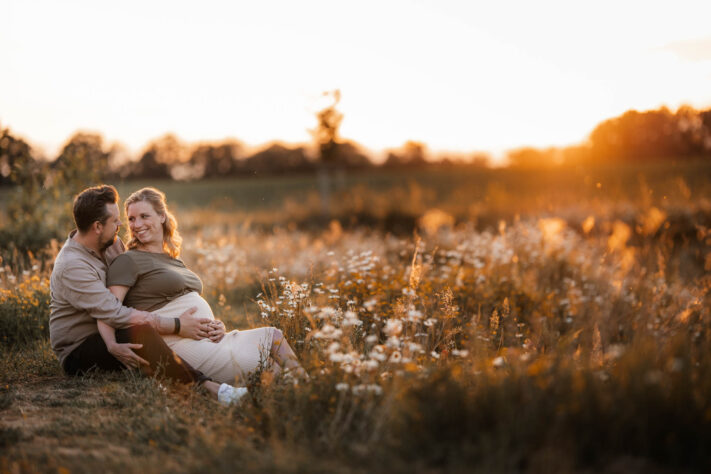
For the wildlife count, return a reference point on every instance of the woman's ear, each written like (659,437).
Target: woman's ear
(162,218)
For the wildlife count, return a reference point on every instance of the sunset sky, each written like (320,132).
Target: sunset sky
(459,76)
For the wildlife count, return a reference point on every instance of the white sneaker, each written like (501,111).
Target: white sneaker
(229,395)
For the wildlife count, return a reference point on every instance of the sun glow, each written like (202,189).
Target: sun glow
(458,76)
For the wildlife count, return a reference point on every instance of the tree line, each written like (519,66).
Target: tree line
(631,137)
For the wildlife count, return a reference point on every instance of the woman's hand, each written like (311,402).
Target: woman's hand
(217,330)
(124,353)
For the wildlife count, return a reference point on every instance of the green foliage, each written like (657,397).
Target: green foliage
(642,136)
(39,206)
(28,204)
(24,312)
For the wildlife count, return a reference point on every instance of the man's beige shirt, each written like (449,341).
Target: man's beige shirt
(79,296)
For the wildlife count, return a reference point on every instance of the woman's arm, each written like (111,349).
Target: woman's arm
(119,291)
(123,352)
(108,334)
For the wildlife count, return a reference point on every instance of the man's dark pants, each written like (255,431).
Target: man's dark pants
(93,354)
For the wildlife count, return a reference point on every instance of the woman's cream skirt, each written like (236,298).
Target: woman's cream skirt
(227,361)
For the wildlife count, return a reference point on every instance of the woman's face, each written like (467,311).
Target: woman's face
(145,223)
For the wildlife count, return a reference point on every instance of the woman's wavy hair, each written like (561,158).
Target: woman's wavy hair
(172,240)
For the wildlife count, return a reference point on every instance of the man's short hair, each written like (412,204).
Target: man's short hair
(90,205)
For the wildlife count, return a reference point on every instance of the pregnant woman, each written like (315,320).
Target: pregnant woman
(151,277)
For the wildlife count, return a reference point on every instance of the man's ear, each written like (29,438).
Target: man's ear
(97,227)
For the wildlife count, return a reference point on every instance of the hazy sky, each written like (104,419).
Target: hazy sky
(461,76)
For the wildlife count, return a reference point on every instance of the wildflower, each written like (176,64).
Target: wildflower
(615,351)
(342,387)
(327,312)
(328,332)
(414,315)
(351,319)
(370,364)
(395,357)
(498,362)
(393,327)
(378,353)
(393,341)
(415,347)
(434,355)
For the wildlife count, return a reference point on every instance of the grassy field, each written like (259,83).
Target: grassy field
(477,320)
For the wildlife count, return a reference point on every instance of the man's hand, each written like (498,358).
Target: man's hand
(124,353)
(217,330)
(194,328)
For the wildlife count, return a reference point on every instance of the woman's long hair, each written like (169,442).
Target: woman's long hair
(171,237)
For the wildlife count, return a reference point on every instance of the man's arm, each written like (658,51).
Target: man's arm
(195,328)
(85,290)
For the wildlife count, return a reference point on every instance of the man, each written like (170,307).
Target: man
(79,298)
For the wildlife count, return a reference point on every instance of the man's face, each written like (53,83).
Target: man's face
(110,228)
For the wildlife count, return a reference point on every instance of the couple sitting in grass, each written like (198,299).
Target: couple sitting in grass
(151,316)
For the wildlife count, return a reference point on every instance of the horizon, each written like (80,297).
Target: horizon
(377,157)
(485,80)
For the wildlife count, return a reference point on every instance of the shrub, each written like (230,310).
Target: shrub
(24,312)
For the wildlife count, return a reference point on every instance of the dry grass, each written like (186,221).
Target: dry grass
(570,338)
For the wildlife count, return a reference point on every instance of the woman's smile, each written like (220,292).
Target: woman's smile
(146,225)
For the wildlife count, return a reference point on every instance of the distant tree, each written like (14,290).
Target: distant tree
(691,133)
(641,136)
(277,159)
(705,117)
(529,157)
(213,161)
(347,155)
(576,154)
(83,160)
(480,160)
(148,167)
(159,157)
(15,158)
(411,155)
(326,133)
(36,207)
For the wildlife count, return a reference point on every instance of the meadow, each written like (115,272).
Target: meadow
(478,320)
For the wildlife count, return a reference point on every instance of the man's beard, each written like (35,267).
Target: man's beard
(108,243)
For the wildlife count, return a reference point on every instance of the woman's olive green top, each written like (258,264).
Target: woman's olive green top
(153,279)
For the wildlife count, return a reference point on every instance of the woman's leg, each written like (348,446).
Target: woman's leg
(283,354)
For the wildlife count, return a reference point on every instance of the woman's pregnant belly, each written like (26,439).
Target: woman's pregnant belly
(183,303)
